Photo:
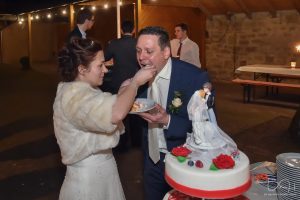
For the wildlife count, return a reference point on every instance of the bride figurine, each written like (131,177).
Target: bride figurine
(207,140)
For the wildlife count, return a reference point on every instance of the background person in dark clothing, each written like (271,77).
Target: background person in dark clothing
(84,21)
(125,65)
(123,53)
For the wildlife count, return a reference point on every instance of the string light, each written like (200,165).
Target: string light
(49,14)
(121,3)
(298,48)
(105,6)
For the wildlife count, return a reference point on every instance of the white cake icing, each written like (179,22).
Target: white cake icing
(233,181)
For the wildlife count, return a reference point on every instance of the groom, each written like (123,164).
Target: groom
(167,126)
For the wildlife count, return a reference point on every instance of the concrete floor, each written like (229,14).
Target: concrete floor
(30,166)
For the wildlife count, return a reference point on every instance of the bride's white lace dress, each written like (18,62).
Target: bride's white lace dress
(86,136)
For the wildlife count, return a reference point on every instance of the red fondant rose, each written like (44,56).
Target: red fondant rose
(181,151)
(224,162)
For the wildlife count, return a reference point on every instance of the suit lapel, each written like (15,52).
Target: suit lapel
(173,84)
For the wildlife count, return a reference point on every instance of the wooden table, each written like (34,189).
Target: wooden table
(270,69)
(271,73)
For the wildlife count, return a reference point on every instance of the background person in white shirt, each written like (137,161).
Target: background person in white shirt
(189,51)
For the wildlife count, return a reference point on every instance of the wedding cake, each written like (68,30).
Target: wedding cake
(209,164)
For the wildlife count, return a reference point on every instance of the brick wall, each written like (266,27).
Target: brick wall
(242,41)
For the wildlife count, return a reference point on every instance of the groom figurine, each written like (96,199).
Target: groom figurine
(167,125)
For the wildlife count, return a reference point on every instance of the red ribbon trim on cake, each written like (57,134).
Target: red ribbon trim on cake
(209,194)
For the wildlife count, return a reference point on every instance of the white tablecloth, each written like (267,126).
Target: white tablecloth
(270,69)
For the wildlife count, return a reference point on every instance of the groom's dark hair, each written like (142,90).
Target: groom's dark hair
(163,36)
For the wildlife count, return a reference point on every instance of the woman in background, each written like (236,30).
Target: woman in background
(88,122)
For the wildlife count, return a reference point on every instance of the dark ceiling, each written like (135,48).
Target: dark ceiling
(21,6)
(208,7)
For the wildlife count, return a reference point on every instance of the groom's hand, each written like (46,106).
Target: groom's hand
(157,115)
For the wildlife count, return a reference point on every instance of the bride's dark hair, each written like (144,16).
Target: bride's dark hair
(77,52)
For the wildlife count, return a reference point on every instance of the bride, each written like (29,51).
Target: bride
(88,122)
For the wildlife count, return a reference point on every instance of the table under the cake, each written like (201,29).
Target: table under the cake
(261,190)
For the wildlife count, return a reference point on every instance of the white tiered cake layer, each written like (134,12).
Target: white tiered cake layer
(206,183)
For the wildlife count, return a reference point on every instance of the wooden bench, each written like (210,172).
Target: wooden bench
(248,84)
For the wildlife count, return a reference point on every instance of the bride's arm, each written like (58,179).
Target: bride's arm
(127,93)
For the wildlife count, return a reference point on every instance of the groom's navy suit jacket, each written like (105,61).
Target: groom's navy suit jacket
(186,79)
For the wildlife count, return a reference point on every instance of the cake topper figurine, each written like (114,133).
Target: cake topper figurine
(207,140)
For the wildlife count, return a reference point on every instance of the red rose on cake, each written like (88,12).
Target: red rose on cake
(181,151)
(224,162)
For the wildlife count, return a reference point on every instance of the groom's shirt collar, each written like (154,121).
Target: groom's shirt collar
(165,73)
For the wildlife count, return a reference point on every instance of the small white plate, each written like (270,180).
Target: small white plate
(145,105)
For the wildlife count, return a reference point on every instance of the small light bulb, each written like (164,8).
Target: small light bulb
(64,12)
(298,48)
(105,6)
(93,7)
(49,16)
(37,17)
(293,64)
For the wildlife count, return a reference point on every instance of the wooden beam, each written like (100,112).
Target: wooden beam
(182,3)
(138,6)
(272,8)
(29,39)
(244,8)
(225,10)
(118,18)
(177,3)
(1,46)
(135,18)
(204,10)
(296,4)
(71,16)
(8,17)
